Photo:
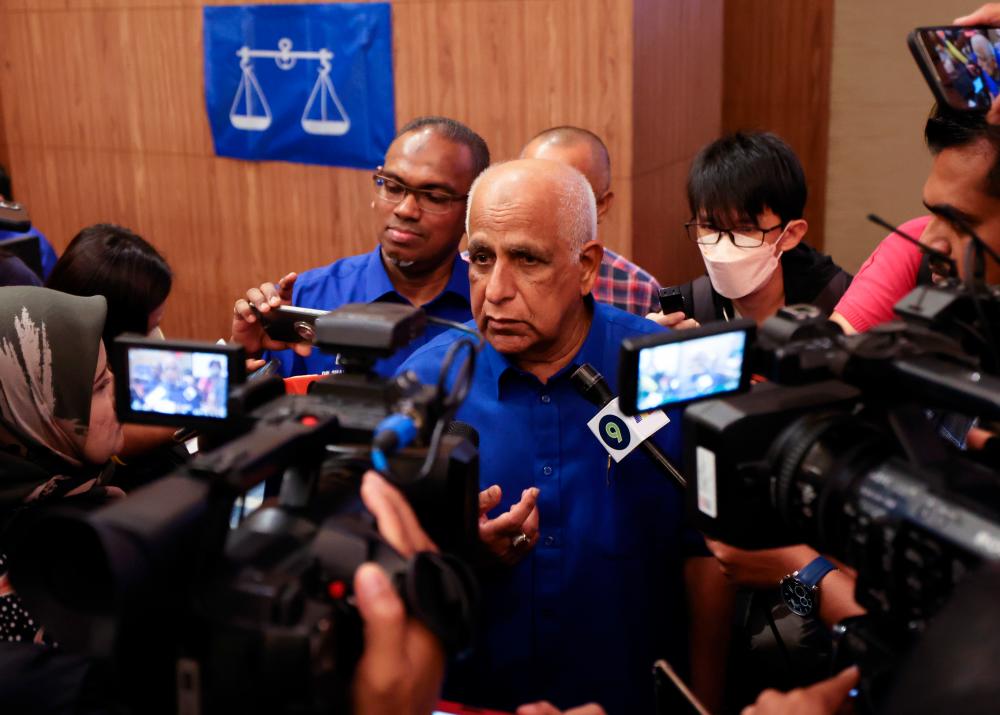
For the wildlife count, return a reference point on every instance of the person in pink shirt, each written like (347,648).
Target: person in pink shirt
(889,274)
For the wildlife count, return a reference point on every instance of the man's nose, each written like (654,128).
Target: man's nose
(408,207)
(500,285)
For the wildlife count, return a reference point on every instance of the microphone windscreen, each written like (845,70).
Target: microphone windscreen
(464,429)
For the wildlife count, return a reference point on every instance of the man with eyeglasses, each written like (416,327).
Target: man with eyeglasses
(747,192)
(419,212)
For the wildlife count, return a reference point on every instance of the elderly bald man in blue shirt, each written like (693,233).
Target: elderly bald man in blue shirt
(593,560)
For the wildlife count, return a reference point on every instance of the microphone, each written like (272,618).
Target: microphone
(594,388)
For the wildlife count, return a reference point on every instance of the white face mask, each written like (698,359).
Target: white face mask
(738,272)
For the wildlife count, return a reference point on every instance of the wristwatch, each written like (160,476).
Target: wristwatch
(800,590)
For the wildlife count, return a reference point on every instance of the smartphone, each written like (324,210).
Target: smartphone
(14,217)
(673,697)
(672,301)
(290,324)
(670,369)
(960,64)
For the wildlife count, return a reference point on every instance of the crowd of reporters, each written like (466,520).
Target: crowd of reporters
(589,571)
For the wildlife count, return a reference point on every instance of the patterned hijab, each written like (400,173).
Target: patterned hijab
(49,347)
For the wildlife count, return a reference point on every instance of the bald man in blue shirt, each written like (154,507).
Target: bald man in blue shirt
(593,561)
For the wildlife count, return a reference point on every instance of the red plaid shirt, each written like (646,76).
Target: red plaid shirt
(624,285)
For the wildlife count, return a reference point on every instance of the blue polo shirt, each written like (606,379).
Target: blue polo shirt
(600,597)
(363,279)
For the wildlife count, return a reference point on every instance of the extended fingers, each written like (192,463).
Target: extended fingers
(513,520)
(489,498)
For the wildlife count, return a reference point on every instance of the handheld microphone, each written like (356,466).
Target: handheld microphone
(594,388)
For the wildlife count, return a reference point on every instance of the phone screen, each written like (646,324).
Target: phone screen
(962,64)
(690,370)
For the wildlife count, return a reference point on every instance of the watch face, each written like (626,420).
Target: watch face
(799,598)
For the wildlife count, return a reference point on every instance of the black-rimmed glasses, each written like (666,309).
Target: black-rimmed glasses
(705,234)
(429,200)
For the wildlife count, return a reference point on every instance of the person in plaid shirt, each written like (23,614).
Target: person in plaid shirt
(620,282)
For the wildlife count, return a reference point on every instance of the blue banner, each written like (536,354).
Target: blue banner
(303,83)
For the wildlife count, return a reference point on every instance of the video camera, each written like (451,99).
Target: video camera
(189,606)
(852,444)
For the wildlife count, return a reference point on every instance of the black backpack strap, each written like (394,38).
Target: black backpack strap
(707,304)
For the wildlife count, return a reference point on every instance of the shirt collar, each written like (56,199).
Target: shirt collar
(592,351)
(378,284)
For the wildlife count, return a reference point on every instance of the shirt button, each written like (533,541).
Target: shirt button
(549,540)
(546,470)
(546,399)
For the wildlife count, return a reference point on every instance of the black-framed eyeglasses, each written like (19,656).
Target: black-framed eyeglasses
(705,234)
(429,200)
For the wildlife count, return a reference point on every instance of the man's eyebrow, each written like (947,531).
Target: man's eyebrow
(947,211)
(431,186)
(524,249)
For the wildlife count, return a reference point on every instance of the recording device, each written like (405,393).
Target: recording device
(593,387)
(837,451)
(672,369)
(672,301)
(289,323)
(14,216)
(187,610)
(959,63)
(28,249)
(159,382)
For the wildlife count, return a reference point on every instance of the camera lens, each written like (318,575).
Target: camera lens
(815,464)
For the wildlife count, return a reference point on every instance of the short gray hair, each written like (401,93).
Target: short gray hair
(576,206)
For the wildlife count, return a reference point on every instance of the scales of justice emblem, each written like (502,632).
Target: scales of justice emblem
(323,115)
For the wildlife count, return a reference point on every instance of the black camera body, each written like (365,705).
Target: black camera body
(843,449)
(189,608)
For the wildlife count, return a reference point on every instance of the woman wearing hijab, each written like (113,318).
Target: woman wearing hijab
(58,428)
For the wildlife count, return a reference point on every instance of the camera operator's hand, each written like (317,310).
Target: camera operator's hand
(988,14)
(759,569)
(401,669)
(674,321)
(247,330)
(514,533)
(547,708)
(824,698)
(397,523)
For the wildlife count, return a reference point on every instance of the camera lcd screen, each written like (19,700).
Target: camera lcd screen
(682,366)
(961,64)
(177,383)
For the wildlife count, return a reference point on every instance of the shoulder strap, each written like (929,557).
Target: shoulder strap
(703,298)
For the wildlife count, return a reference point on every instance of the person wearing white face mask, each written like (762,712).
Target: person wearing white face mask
(747,192)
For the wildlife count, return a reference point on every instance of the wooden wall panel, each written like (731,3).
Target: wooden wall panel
(676,105)
(110,125)
(777,78)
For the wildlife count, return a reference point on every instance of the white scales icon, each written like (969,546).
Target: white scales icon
(251,112)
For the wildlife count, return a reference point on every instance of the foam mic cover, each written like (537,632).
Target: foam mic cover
(591,385)
(463,429)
